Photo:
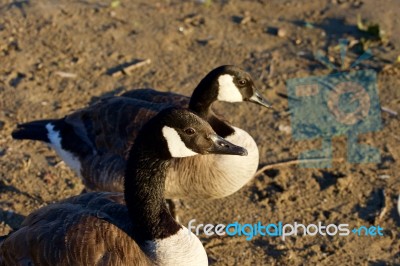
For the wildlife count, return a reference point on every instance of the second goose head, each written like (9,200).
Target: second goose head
(226,83)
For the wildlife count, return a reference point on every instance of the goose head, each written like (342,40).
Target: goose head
(186,134)
(228,84)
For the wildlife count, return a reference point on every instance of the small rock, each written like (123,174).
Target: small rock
(194,20)
(284,128)
(5,229)
(357,4)
(246,18)
(343,183)
(205,41)
(185,30)
(281,32)
(281,247)
(49,178)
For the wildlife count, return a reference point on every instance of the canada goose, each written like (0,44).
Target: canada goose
(94,141)
(99,229)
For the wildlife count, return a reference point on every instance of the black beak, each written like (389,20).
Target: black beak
(222,146)
(257,98)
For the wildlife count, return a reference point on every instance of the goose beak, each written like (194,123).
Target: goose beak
(222,146)
(258,99)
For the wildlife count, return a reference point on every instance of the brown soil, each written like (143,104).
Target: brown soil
(43,42)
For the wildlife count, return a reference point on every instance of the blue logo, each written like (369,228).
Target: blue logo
(342,103)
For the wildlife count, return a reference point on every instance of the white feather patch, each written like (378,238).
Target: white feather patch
(398,205)
(66,156)
(176,146)
(228,91)
(182,248)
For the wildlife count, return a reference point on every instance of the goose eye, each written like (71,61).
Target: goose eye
(190,131)
(242,82)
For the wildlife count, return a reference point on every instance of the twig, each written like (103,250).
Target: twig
(389,111)
(271,70)
(395,136)
(129,69)
(384,208)
(292,162)
(66,74)
(262,74)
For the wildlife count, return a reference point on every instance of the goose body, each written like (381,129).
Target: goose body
(100,135)
(217,176)
(134,228)
(91,230)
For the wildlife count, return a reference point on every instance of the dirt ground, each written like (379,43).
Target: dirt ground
(56,58)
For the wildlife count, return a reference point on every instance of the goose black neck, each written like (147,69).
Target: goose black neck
(201,100)
(221,127)
(204,95)
(144,189)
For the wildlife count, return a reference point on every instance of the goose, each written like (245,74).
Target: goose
(95,141)
(130,228)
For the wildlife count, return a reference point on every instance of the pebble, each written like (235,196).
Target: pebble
(281,32)
(284,128)
(298,41)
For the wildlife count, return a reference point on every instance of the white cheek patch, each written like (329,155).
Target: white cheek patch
(68,158)
(228,92)
(176,146)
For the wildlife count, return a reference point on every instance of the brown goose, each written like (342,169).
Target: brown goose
(99,229)
(94,141)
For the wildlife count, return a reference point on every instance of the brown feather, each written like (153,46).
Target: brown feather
(90,229)
(113,122)
(154,96)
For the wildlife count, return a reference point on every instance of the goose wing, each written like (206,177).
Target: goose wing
(111,127)
(112,124)
(154,96)
(90,229)
(104,172)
